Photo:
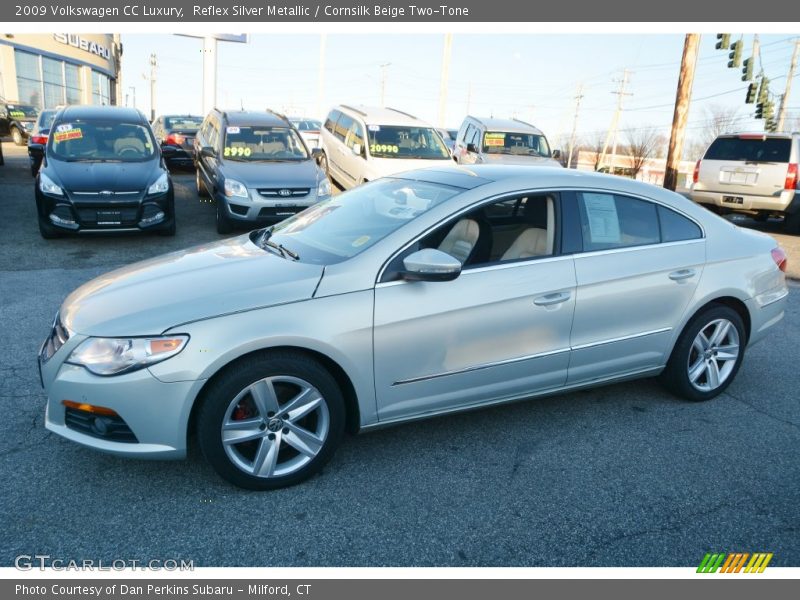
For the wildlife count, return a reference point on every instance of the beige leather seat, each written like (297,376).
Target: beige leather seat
(461,239)
(531,242)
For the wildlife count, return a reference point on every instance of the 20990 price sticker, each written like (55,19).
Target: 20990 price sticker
(383,149)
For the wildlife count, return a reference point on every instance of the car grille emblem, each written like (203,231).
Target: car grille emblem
(106,193)
(284,192)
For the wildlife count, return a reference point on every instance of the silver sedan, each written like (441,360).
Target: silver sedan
(413,296)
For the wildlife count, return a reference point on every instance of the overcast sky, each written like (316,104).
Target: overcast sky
(533,77)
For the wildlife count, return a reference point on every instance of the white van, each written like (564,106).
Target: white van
(362,143)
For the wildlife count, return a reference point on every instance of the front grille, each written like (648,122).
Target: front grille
(284,192)
(57,338)
(108,216)
(104,427)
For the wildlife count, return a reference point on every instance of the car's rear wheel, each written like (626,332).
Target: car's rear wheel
(708,354)
(791,222)
(271,421)
(17,136)
(202,190)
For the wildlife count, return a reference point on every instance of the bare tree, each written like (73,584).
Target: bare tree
(718,119)
(641,145)
(592,143)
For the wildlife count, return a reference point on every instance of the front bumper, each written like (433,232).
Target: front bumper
(157,413)
(775,203)
(257,209)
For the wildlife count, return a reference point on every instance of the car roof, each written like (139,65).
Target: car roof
(508,125)
(758,134)
(253,117)
(376,115)
(102,112)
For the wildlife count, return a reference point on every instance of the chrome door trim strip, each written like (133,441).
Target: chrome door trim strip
(590,253)
(515,398)
(621,339)
(508,361)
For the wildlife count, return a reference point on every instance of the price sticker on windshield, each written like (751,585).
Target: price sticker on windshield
(233,130)
(383,149)
(236,151)
(19,114)
(69,134)
(495,139)
(374,127)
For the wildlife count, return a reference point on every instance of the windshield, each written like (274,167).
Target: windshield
(347,224)
(259,143)
(46,119)
(101,141)
(182,123)
(22,111)
(307,125)
(757,149)
(388,141)
(525,144)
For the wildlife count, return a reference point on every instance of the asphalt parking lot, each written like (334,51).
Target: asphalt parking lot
(624,475)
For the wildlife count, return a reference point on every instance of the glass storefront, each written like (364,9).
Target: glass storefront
(48,82)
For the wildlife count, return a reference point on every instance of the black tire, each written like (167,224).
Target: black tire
(169,230)
(202,190)
(47,230)
(675,376)
(761,217)
(224,224)
(217,403)
(791,223)
(17,136)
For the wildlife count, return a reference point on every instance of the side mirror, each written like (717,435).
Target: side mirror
(430,264)
(208,152)
(316,154)
(471,148)
(556,154)
(357,149)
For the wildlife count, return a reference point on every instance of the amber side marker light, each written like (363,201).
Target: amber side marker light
(97,410)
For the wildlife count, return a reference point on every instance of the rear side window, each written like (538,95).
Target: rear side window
(330,122)
(342,127)
(610,221)
(675,227)
(750,149)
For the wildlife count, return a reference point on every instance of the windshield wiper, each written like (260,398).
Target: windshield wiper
(265,242)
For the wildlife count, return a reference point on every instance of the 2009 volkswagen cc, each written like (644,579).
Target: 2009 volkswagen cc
(422,294)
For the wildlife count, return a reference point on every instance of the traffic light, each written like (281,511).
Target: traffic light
(771,125)
(759,110)
(724,41)
(747,69)
(763,90)
(735,55)
(752,90)
(769,110)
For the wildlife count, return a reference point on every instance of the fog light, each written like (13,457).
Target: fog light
(159,216)
(62,222)
(97,410)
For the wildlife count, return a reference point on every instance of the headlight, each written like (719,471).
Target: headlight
(160,186)
(235,188)
(324,188)
(47,186)
(111,356)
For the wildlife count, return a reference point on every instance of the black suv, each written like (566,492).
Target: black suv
(17,121)
(103,171)
(256,167)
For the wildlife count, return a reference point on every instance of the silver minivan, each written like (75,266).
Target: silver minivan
(502,141)
(750,173)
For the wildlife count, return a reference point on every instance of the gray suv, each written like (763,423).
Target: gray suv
(750,173)
(256,167)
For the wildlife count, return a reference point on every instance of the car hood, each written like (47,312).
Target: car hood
(104,176)
(302,173)
(514,159)
(149,297)
(384,167)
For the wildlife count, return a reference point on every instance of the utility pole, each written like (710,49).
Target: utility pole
(789,77)
(448,45)
(383,83)
(683,97)
(153,68)
(323,39)
(612,130)
(578,98)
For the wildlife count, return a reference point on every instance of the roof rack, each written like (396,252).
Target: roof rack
(401,112)
(279,115)
(354,109)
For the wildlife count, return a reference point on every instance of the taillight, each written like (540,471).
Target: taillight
(696,174)
(791,177)
(39,139)
(779,256)
(174,139)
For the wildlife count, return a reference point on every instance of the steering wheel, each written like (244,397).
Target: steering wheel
(128,150)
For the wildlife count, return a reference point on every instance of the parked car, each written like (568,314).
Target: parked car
(448,137)
(751,173)
(177,131)
(38,138)
(256,167)
(17,120)
(360,144)
(309,130)
(417,295)
(502,141)
(103,171)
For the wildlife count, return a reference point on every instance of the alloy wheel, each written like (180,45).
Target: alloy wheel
(713,355)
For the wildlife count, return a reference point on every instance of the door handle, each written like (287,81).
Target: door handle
(551,299)
(682,274)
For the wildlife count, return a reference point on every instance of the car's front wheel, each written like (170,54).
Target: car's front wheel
(224,224)
(708,354)
(271,420)
(202,190)
(17,136)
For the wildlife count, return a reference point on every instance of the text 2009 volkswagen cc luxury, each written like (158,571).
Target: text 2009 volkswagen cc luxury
(422,294)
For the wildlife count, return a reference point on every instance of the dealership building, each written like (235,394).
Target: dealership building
(47,70)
